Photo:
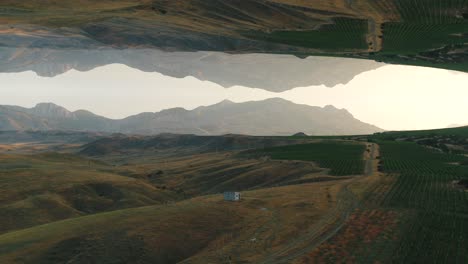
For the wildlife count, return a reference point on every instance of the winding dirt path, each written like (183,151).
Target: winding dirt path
(330,224)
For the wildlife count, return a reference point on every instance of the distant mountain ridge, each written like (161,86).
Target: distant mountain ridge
(269,117)
(263,71)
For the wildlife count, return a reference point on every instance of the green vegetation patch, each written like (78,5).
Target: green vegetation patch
(410,38)
(342,158)
(432,11)
(431,33)
(449,140)
(457,131)
(343,34)
(426,184)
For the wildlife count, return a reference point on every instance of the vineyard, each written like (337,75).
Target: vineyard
(342,158)
(426,25)
(460,132)
(413,38)
(437,227)
(344,33)
(431,11)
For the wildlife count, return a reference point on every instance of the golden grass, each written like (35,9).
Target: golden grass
(206,228)
(42,188)
(195,15)
(216,172)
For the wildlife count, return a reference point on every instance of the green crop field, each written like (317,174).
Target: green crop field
(342,158)
(344,33)
(437,227)
(457,131)
(414,38)
(449,140)
(426,25)
(430,11)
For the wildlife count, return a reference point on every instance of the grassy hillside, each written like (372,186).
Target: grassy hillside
(42,188)
(148,205)
(411,208)
(206,229)
(46,187)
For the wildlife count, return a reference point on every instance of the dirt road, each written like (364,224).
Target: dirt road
(330,224)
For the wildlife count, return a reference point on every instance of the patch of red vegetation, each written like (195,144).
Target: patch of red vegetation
(363,228)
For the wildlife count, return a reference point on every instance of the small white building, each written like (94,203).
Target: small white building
(232,196)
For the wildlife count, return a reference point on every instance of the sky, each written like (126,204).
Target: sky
(392,97)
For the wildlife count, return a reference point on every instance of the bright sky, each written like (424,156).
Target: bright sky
(392,97)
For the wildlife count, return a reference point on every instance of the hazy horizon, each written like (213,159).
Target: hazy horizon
(391,97)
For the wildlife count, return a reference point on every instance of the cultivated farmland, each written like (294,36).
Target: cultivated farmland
(437,229)
(342,158)
(344,34)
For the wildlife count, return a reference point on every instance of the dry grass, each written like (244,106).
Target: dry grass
(217,172)
(43,188)
(197,15)
(361,231)
(203,228)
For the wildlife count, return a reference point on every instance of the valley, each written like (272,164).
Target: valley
(303,200)
(233,131)
(143,185)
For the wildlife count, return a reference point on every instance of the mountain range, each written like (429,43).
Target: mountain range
(269,117)
(265,71)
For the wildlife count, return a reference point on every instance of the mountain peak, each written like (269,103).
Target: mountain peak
(225,102)
(50,110)
(46,105)
(330,107)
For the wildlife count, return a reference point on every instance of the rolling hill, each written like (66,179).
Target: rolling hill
(269,117)
(148,201)
(46,187)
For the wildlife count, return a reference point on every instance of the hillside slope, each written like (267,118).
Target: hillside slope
(42,188)
(201,230)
